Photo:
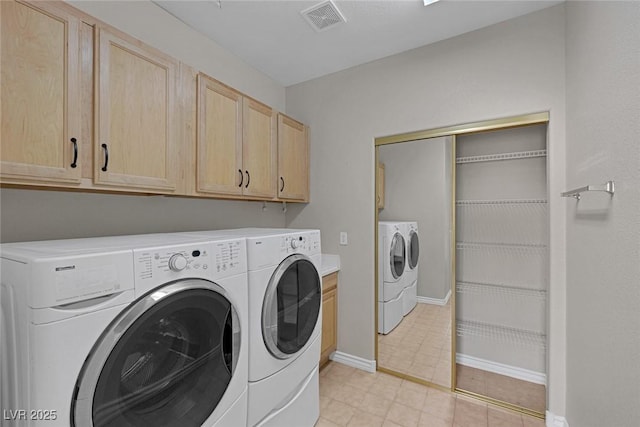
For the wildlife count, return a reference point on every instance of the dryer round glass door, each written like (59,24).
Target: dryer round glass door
(167,360)
(414,249)
(397,257)
(291,306)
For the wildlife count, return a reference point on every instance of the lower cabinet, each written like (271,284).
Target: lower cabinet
(329,317)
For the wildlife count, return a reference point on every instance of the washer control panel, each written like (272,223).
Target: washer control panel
(173,261)
(229,257)
(209,260)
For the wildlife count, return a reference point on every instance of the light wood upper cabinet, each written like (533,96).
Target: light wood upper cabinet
(380,186)
(293,160)
(39,95)
(136,144)
(219,138)
(236,143)
(86,106)
(259,149)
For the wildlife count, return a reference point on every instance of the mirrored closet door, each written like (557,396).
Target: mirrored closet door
(476,197)
(415,242)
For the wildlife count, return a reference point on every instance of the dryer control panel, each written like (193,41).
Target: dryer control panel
(270,250)
(301,243)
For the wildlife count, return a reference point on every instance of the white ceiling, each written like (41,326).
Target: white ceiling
(273,37)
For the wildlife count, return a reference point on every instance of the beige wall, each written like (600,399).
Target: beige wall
(39,215)
(511,68)
(28,215)
(603,233)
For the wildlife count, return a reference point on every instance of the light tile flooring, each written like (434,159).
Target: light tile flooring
(420,345)
(500,387)
(352,397)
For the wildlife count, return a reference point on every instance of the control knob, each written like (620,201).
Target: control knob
(295,243)
(177,262)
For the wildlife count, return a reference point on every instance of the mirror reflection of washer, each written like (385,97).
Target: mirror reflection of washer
(392,261)
(285,321)
(127,331)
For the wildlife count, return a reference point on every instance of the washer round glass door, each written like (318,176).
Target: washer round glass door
(167,360)
(291,306)
(414,249)
(397,256)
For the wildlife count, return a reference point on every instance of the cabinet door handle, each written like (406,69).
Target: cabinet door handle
(106,157)
(282,187)
(74,163)
(241,177)
(248,179)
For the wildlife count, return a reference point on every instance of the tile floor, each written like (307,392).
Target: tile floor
(500,387)
(420,345)
(352,397)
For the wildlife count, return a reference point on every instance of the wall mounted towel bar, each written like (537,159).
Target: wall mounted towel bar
(609,187)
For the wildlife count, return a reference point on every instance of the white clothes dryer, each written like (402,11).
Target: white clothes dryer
(391,267)
(410,292)
(285,320)
(125,331)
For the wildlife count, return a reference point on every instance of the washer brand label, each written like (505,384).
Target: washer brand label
(68,267)
(85,283)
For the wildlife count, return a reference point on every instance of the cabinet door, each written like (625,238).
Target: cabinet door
(40,111)
(329,324)
(380,186)
(219,138)
(293,160)
(135,110)
(259,149)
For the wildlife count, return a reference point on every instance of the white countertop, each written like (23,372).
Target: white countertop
(330,264)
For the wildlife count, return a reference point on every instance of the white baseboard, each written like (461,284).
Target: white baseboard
(499,368)
(552,420)
(435,301)
(353,361)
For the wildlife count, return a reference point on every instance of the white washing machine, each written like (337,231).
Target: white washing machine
(125,331)
(285,321)
(410,292)
(391,281)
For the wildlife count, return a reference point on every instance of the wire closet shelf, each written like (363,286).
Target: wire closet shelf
(502,156)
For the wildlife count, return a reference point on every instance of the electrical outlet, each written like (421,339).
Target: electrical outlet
(344,238)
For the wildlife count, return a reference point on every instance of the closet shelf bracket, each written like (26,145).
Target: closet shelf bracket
(609,187)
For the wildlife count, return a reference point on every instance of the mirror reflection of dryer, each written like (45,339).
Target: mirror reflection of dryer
(410,292)
(391,280)
(127,331)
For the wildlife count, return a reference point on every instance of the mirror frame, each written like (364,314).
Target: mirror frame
(452,131)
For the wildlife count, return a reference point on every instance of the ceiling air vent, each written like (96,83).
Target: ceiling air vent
(323,16)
